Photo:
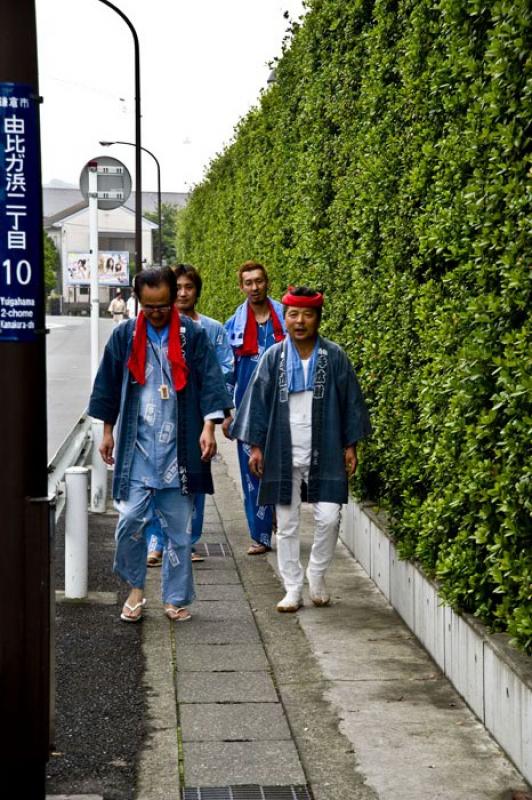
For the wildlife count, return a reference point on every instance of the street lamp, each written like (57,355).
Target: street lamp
(159,204)
(137,145)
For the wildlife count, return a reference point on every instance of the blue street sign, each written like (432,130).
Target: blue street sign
(21,267)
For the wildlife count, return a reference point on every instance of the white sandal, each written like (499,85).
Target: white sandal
(128,618)
(178,614)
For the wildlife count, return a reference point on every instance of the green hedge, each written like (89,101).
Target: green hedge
(389,166)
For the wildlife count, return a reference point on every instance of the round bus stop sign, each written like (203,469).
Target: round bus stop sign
(114,182)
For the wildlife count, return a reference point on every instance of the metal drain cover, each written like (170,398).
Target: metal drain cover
(251,792)
(213,549)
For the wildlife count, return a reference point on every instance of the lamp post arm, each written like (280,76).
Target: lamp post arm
(159,203)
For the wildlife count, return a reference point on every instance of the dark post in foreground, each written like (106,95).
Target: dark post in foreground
(24,508)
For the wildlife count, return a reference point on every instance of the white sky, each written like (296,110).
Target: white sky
(203,64)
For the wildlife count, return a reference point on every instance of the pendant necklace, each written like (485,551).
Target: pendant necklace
(164,391)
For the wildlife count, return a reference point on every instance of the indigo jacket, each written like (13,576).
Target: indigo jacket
(339,419)
(115,396)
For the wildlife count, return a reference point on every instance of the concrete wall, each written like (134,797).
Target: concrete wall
(494,678)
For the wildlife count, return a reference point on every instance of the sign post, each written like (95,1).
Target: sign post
(93,248)
(106,183)
(25,584)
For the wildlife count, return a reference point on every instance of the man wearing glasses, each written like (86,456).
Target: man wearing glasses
(160,379)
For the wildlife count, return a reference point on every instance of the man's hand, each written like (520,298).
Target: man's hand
(350,460)
(225,426)
(108,444)
(207,441)
(256,462)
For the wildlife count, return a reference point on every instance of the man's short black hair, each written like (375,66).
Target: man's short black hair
(155,276)
(304,291)
(190,272)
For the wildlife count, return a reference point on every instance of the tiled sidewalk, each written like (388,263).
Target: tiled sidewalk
(342,699)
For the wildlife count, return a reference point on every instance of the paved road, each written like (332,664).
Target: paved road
(68,369)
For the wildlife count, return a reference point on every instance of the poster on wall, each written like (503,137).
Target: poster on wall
(113,268)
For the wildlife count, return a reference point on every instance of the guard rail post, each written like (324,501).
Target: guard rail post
(76,533)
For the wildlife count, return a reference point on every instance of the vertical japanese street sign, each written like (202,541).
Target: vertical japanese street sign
(21,271)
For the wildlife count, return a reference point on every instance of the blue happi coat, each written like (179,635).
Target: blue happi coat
(339,419)
(218,338)
(116,396)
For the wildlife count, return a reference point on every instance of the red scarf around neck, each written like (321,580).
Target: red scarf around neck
(137,360)
(250,345)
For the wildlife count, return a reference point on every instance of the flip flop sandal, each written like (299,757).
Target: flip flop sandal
(197,557)
(178,614)
(154,561)
(126,618)
(258,550)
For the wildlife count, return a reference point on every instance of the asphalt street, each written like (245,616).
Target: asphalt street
(68,372)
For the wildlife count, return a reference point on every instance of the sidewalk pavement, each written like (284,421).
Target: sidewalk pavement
(340,699)
(336,703)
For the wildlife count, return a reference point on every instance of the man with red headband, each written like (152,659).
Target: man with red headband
(302,415)
(255,326)
(160,378)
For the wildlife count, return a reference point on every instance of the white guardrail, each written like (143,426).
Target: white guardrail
(73,449)
(68,483)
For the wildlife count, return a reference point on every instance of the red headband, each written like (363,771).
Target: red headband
(316,301)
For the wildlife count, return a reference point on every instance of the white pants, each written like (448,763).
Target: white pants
(326,525)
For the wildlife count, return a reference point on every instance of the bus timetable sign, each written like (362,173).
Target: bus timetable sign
(21,270)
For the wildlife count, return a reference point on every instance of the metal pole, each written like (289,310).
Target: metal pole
(26,528)
(138,160)
(93,246)
(76,533)
(160,254)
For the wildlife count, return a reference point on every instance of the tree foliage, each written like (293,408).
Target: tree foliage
(390,165)
(169,216)
(51,263)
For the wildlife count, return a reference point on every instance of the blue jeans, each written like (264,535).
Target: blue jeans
(154,534)
(172,511)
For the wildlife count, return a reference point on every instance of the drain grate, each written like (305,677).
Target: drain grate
(213,549)
(251,792)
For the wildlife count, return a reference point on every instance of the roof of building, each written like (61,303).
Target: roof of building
(72,211)
(65,212)
(59,200)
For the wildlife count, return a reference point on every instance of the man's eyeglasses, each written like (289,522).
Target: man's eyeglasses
(149,309)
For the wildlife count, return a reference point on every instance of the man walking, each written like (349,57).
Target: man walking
(256,325)
(117,307)
(189,285)
(158,376)
(302,415)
